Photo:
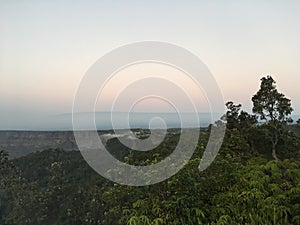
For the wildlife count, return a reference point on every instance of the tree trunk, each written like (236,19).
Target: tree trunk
(274,154)
(274,144)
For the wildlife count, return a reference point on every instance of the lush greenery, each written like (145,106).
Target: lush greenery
(255,179)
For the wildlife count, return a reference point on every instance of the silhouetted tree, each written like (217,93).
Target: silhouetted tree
(272,107)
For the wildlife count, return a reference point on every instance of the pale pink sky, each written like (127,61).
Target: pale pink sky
(47,46)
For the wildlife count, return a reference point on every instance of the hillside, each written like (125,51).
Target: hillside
(20,143)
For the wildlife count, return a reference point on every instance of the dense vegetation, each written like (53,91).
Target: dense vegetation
(255,179)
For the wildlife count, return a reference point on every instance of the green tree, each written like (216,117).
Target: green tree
(240,127)
(274,108)
(271,105)
(54,195)
(7,169)
(7,175)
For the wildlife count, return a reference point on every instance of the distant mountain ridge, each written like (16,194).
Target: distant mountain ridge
(20,143)
(63,122)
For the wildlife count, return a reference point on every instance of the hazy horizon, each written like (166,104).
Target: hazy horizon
(103,120)
(63,122)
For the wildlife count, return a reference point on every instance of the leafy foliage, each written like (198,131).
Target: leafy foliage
(269,104)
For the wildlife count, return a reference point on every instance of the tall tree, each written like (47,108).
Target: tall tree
(272,107)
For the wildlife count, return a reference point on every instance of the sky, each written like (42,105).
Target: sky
(46,47)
